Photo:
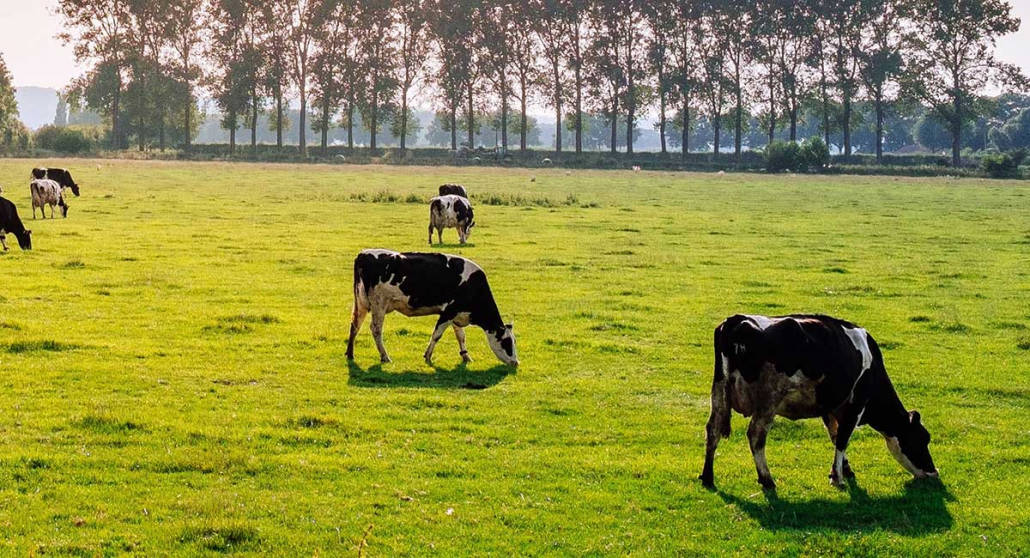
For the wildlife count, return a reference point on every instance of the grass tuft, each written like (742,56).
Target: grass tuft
(101,424)
(46,345)
(222,538)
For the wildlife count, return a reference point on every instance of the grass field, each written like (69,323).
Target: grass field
(174,380)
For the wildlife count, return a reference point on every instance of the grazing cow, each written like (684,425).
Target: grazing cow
(418,284)
(47,192)
(10,223)
(453,189)
(806,366)
(61,176)
(450,211)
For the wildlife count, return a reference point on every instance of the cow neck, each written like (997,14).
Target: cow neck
(487,316)
(885,412)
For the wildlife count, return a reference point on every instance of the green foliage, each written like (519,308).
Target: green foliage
(65,139)
(10,126)
(1003,165)
(814,154)
(783,156)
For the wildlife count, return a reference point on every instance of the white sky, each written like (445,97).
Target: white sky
(35,57)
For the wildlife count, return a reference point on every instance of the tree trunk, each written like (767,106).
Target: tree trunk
(115,107)
(161,133)
(471,117)
(279,119)
(350,122)
(454,126)
(847,125)
(504,123)
(879,129)
(325,126)
(524,120)
(956,131)
(303,114)
(715,142)
(579,95)
(630,105)
(374,124)
(793,122)
(615,126)
(253,120)
(661,117)
(404,117)
(232,132)
(557,105)
(685,134)
(739,121)
(189,129)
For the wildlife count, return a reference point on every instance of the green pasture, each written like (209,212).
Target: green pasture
(174,380)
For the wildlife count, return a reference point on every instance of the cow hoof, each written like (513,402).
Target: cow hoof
(836,481)
(848,473)
(429,361)
(767,483)
(466,359)
(385,360)
(707,482)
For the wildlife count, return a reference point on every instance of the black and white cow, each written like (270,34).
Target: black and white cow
(807,366)
(453,189)
(10,223)
(60,176)
(450,211)
(47,192)
(418,284)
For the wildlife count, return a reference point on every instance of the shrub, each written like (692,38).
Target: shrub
(782,156)
(815,155)
(1002,165)
(63,139)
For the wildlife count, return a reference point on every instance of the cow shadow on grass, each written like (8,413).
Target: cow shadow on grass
(920,509)
(441,378)
(435,246)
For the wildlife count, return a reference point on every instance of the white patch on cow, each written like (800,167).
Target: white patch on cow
(860,339)
(895,448)
(761,321)
(381,252)
(725,364)
(461,319)
(838,465)
(469,268)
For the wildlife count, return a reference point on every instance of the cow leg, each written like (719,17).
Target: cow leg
(355,325)
(378,317)
(461,235)
(846,424)
(756,434)
(441,326)
(718,427)
(439,234)
(430,234)
(3,241)
(831,428)
(459,333)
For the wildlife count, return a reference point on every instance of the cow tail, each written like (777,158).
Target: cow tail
(359,291)
(721,381)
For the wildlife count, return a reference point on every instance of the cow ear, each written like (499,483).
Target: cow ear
(509,326)
(913,417)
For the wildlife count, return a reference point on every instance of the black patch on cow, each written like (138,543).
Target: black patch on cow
(38,173)
(453,190)
(11,223)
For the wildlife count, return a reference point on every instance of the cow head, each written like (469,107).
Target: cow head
(63,206)
(502,342)
(38,173)
(75,189)
(25,239)
(911,447)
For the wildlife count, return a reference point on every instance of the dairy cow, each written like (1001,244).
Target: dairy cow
(450,211)
(807,366)
(10,223)
(47,192)
(60,176)
(420,284)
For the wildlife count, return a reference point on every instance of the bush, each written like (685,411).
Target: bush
(1003,165)
(63,139)
(815,155)
(783,156)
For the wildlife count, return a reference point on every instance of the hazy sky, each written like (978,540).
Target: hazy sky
(35,57)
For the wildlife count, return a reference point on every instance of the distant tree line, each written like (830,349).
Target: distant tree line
(729,66)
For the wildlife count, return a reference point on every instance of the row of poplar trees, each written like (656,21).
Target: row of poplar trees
(147,61)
